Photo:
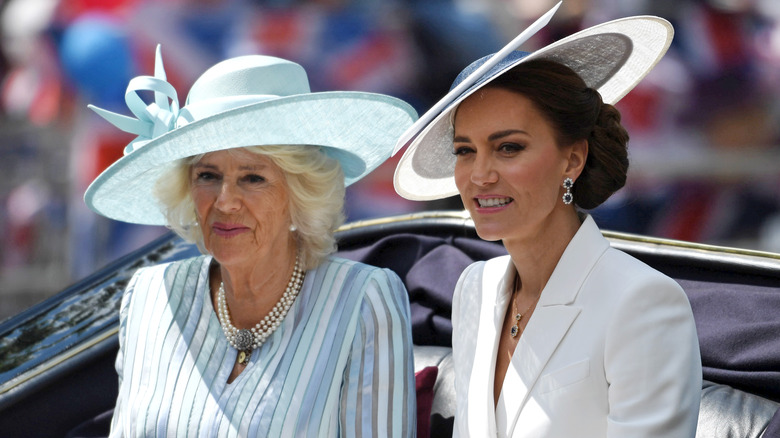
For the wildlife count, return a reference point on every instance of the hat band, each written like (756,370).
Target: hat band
(201,110)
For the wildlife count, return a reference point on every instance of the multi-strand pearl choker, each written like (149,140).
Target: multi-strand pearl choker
(246,340)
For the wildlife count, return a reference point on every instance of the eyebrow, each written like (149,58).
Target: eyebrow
(492,137)
(242,167)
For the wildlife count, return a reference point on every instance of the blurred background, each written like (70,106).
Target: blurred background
(704,124)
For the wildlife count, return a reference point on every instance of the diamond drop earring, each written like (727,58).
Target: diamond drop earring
(568,183)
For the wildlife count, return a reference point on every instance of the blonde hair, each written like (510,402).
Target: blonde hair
(316,193)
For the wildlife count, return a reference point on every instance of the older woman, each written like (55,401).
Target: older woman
(565,336)
(266,334)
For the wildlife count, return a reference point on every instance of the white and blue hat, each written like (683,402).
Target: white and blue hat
(611,58)
(245,101)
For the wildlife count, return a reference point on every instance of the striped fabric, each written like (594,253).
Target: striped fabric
(339,365)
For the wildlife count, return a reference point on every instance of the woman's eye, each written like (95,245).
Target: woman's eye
(510,147)
(254,179)
(205,176)
(462,150)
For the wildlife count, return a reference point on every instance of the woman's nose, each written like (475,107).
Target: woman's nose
(483,172)
(228,198)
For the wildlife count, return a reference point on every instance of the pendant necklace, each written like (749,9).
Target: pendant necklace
(246,340)
(515,329)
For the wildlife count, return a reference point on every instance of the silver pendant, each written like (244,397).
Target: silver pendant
(244,339)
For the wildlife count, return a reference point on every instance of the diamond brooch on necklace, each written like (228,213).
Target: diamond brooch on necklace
(247,340)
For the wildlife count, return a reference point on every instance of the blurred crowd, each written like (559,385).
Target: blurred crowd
(704,124)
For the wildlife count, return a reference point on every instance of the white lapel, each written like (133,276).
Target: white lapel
(549,323)
(492,308)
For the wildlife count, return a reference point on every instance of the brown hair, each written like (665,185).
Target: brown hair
(576,112)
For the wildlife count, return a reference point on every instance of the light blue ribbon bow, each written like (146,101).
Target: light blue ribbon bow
(153,120)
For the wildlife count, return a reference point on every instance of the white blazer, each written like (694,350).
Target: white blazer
(610,351)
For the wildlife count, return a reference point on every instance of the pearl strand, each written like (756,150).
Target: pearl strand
(246,340)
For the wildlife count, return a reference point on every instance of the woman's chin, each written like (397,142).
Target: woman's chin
(229,257)
(489,233)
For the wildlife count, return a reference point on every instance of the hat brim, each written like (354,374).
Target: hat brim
(611,57)
(355,128)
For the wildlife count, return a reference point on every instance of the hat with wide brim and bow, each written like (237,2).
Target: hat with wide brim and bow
(245,101)
(611,58)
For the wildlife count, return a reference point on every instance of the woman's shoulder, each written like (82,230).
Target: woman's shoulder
(353,275)
(472,280)
(629,282)
(479,268)
(616,271)
(170,271)
(626,269)
(143,290)
(340,263)
(358,285)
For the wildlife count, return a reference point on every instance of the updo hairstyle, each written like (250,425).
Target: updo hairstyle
(576,112)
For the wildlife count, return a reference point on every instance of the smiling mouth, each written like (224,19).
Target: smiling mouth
(493,202)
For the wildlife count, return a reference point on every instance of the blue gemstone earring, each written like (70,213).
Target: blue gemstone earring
(568,198)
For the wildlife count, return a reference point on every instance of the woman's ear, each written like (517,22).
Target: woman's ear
(578,154)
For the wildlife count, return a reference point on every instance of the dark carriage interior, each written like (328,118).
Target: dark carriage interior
(735,298)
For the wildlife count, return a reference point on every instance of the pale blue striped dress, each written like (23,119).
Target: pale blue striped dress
(339,365)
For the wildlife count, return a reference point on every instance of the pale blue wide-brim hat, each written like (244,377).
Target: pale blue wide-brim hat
(611,57)
(245,101)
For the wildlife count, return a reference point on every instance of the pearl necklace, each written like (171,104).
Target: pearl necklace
(246,340)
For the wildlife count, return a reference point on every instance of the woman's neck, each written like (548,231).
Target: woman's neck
(254,289)
(536,257)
